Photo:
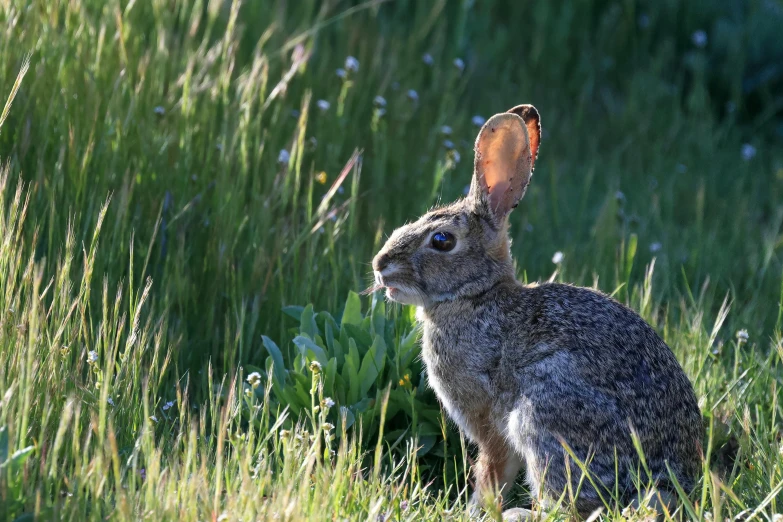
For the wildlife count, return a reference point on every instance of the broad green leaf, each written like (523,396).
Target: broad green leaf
(349,419)
(329,337)
(329,374)
(362,337)
(307,322)
(353,310)
(425,444)
(351,373)
(372,364)
(18,459)
(311,350)
(293,311)
(408,348)
(302,387)
(337,350)
(378,314)
(279,369)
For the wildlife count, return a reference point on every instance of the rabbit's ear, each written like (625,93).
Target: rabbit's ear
(529,115)
(503,165)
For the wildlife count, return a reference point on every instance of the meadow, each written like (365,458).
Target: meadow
(191,193)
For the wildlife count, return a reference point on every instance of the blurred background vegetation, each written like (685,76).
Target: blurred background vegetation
(257,153)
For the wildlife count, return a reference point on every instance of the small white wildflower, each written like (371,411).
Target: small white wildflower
(748,152)
(351,64)
(655,247)
(448,144)
(699,39)
(557,258)
(459,64)
(153,418)
(478,121)
(413,95)
(323,105)
(254,379)
(168,405)
(285,433)
(445,130)
(742,336)
(92,357)
(328,402)
(379,101)
(283,157)
(328,426)
(341,72)
(248,392)
(315,367)
(427,59)
(222,518)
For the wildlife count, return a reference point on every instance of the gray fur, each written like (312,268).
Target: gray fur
(524,369)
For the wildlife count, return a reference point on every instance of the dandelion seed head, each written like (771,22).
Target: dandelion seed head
(558,257)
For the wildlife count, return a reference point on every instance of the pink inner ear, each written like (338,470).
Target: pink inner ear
(503,162)
(498,194)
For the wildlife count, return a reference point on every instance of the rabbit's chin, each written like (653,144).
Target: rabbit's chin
(405,296)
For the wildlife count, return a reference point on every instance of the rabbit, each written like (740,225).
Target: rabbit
(527,371)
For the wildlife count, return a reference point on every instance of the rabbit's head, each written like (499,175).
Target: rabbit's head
(463,249)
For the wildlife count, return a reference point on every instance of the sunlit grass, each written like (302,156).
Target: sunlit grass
(179,172)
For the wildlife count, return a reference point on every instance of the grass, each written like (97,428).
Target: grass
(152,230)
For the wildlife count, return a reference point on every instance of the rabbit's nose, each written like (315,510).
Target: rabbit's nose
(380,262)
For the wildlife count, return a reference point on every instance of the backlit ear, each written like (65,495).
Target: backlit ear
(532,120)
(503,165)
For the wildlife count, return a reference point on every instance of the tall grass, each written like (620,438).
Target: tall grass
(174,179)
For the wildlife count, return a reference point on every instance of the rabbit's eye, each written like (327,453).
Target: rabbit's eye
(443,241)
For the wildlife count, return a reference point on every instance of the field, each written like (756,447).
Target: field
(192,192)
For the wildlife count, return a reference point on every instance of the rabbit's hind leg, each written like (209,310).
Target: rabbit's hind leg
(496,468)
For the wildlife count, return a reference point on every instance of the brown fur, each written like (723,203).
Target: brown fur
(525,370)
